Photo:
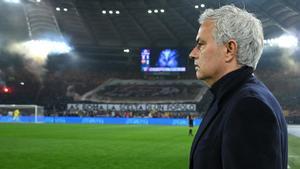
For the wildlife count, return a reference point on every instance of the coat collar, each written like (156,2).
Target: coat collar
(230,82)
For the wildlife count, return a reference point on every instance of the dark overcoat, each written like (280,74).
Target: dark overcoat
(244,128)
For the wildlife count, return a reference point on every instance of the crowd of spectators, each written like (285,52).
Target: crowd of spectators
(143,90)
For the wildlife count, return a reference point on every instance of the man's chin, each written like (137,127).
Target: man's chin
(202,78)
(199,76)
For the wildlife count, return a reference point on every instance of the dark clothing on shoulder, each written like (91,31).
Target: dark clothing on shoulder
(244,128)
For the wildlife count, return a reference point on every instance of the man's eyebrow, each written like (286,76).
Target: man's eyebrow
(198,40)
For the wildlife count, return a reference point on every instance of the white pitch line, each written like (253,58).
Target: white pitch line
(294,156)
(294,130)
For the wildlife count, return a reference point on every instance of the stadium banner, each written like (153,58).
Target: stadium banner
(101,120)
(133,107)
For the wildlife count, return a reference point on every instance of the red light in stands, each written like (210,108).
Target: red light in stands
(6,90)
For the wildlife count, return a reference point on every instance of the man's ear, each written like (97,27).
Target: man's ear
(231,50)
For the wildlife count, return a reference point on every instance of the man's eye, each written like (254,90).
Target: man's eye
(199,45)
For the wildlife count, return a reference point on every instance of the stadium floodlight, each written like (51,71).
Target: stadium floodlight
(22,83)
(162,10)
(196,6)
(45,47)
(202,5)
(38,0)
(149,11)
(57,8)
(155,11)
(61,47)
(110,12)
(13,1)
(103,11)
(117,12)
(65,9)
(285,41)
(126,50)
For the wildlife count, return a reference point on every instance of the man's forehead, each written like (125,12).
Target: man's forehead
(199,36)
(206,27)
(207,24)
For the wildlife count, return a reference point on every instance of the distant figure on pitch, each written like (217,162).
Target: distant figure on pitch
(16,115)
(191,124)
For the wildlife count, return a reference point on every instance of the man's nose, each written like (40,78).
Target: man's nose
(192,54)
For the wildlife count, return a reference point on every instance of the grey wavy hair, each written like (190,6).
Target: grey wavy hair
(234,23)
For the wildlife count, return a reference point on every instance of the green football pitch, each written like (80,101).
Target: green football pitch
(68,146)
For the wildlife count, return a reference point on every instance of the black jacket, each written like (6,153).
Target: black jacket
(244,127)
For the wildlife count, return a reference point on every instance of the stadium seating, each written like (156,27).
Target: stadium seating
(160,91)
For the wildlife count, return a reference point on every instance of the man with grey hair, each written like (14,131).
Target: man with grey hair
(244,127)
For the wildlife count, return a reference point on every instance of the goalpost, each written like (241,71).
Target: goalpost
(29,111)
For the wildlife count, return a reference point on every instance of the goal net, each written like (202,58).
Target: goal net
(22,113)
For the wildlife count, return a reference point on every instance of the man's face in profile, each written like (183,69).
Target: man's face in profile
(207,54)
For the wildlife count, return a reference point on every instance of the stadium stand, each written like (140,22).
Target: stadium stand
(159,91)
